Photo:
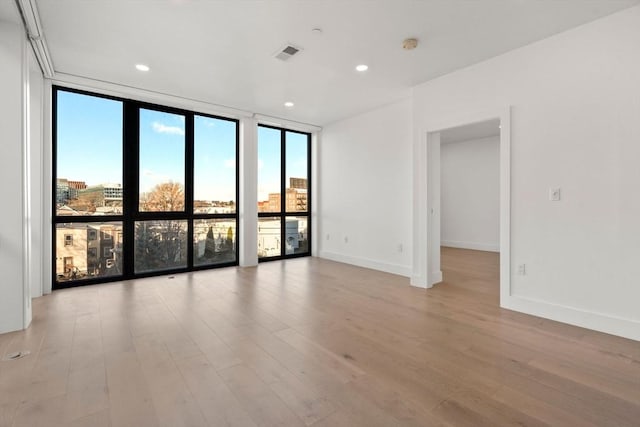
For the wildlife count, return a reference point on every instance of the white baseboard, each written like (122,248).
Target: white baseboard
(627,328)
(401,270)
(419,282)
(471,245)
(436,277)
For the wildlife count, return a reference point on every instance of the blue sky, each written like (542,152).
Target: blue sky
(214,159)
(89,139)
(161,149)
(90,149)
(269,159)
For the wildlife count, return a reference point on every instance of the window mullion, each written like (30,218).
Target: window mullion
(130,196)
(283,194)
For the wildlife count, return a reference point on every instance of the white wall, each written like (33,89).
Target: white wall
(575,124)
(470,194)
(15,304)
(365,189)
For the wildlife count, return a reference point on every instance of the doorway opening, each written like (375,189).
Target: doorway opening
(470,208)
(428,197)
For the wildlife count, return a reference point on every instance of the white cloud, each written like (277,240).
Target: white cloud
(150,177)
(171,130)
(230,163)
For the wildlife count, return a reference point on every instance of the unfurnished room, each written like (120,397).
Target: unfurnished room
(320,213)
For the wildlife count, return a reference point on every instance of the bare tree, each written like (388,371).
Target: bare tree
(165,197)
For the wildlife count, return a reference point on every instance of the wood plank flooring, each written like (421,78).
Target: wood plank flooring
(310,342)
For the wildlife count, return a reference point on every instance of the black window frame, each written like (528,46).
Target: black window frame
(130,182)
(283,214)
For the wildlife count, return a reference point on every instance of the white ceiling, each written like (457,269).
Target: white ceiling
(471,131)
(221,51)
(9,12)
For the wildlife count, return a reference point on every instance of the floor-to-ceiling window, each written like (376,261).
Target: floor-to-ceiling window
(284,198)
(140,189)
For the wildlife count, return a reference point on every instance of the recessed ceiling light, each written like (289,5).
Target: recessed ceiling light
(142,67)
(362,67)
(316,31)
(288,104)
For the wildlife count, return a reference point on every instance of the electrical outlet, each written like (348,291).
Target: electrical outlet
(522,269)
(328,236)
(400,247)
(346,239)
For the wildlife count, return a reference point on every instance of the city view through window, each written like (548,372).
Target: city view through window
(143,189)
(92,240)
(88,185)
(283,192)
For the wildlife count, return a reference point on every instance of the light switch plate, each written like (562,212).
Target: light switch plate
(554,194)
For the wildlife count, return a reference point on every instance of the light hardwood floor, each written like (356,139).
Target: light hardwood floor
(311,342)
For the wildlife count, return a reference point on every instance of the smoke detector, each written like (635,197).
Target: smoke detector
(286,52)
(409,44)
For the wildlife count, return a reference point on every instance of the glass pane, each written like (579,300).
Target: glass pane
(269,170)
(296,171)
(88,250)
(162,147)
(160,245)
(214,241)
(214,166)
(88,155)
(269,237)
(296,235)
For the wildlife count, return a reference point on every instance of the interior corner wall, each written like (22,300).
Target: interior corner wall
(575,125)
(365,190)
(470,194)
(14,300)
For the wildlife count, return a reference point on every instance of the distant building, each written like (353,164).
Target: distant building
(68,190)
(263,206)
(86,250)
(269,236)
(296,198)
(74,187)
(68,211)
(214,206)
(100,196)
(300,183)
(62,190)
(274,202)
(112,192)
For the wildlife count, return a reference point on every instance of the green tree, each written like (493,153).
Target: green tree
(210,245)
(230,235)
(148,254)
(159,245)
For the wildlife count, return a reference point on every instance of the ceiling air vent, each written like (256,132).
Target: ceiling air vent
(287,52)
